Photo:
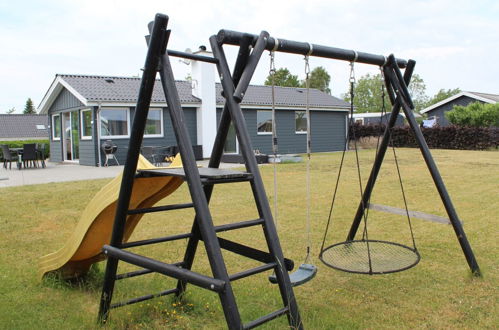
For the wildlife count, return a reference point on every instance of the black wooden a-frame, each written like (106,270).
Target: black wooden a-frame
(201,181)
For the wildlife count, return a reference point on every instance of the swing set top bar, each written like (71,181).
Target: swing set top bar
(304,48)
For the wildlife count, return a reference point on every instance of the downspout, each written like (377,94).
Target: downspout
(97,131)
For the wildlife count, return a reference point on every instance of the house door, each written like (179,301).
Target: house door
(71,136)
(231,145)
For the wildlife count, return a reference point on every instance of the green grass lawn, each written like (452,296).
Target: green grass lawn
(437,293)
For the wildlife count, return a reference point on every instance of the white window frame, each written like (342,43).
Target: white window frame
(55,138)
(300,132)
(161,134)
(115,136)
(263,133)
(82,131)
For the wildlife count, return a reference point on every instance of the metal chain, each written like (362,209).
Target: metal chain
(272,72)
(308,183)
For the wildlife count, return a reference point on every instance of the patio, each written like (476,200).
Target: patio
(61,172)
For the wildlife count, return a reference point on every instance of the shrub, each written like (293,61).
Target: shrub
(475,114)
(450,137)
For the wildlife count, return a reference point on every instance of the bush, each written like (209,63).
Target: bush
(19,144)
(450,137)
(475,114)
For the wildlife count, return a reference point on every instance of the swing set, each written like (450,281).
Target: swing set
(366,255)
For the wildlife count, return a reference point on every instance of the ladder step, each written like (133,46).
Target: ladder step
(266,318)
(161,208)
(165,269)
(221,228)
(143,298)
(207,175)
(252,271)
(141,272)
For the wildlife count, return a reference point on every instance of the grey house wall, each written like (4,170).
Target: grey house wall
(89,149)
(168,138)
(386,118)
(441,110)
(65,101)
(328,132)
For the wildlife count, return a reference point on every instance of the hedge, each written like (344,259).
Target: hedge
(449,137)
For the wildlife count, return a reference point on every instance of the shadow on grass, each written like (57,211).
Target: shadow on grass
(91,281)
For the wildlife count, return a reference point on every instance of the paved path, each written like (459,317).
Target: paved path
(60,172)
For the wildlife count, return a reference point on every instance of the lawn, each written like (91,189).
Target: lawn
(438,293)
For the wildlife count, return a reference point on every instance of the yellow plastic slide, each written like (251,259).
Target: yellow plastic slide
(94,229)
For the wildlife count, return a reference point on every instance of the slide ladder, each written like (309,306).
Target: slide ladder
(201,182)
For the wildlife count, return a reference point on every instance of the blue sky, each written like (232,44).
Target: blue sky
(455,43)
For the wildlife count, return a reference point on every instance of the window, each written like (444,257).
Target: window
(300,122)
(264,121)
(56,127)
(114,123)
(86,124)
(154,123)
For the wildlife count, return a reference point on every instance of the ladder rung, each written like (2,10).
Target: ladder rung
(252,271)
(238,225)
(155,240)
(221,228)
(160,208)
(165,269)
(141,272)
(146,297)
(266,318)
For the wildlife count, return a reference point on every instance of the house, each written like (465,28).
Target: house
(86,110)
(436,112)
(368,118)
(14,127)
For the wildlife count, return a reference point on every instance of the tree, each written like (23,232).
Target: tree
(442,95)
(368,91)
(319,78)
(11,110)
(475,114)
(367,94)
(29,108)
(284,78)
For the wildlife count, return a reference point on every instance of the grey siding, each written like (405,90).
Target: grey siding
(87,153)
(65,100)
(168,138)
(328,132)
(441,110)
(55,151)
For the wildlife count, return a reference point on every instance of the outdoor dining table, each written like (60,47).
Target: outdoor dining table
(19,152)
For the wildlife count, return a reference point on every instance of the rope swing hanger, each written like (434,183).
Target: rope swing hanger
(366,256)
(305,271)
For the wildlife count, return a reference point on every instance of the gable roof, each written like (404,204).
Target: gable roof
(92,90)
(23,126)
(484,97)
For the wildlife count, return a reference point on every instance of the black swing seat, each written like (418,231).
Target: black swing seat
(370,257)
(302,275)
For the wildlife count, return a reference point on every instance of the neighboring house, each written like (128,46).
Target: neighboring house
(86,110)
(437,111)
(367,118)
(15,127)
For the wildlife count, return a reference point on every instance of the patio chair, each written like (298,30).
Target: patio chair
(149,154)
(165,154)
(40,150)
(9,156)
(29,155)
